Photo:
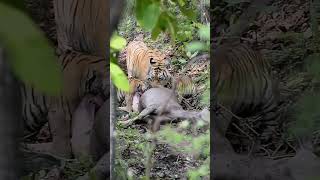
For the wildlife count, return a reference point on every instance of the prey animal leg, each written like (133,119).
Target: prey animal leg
(143,114)
(158,120)
(182,114)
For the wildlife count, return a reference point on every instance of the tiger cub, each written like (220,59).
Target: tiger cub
(144,66)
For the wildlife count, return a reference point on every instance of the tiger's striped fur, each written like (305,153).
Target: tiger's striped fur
(82,74)
(184,86)
(82,25)
(144,65)
(244,83)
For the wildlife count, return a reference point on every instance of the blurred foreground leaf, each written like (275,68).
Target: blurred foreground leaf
(30,54)
(18,4)
(117,42)
(118,77)
(195,46)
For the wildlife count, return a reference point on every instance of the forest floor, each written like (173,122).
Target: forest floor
(133,142)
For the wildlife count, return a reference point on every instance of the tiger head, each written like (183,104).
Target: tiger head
(158,71)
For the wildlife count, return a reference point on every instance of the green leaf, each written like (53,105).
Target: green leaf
(190,13)
(172,26)
(195,46)
(147,13)
(151,15)
(30,54)
(155,33)
(117,42)
(204,32)
(160,26)
(113,59)
(140,7)
(182,61)
(181,2)
(165,21)
(118,77)
(16,4)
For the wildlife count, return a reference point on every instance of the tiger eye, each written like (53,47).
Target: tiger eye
(151,61)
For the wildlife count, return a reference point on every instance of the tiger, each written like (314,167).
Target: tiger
(82,74)
(144,66)
(184,86)
(244,84)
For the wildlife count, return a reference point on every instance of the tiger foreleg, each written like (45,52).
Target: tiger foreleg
(147,111)
(129,98)
(134,104)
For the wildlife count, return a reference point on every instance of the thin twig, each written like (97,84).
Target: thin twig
(29,135)
(242,131)
(277,149)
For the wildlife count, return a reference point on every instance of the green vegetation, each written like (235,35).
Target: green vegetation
(171,26)
(36,65)
(307,109)
(118,77)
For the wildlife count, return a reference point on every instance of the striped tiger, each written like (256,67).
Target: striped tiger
(244,83)
(144,65)
(184,86)
(82,74)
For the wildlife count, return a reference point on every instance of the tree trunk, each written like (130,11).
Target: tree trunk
(10,115)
